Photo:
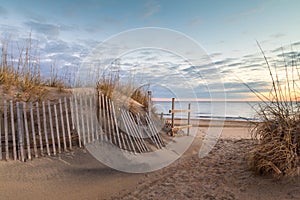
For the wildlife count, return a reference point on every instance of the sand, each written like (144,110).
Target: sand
(223,174)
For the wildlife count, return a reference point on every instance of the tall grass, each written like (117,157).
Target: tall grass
(279,132)
(20,67)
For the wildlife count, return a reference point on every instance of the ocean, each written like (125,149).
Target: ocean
(211,110)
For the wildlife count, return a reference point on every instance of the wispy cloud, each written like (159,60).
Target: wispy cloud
(151,7)
(278,35)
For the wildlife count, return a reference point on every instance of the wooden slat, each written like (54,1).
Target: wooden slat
(45,128)
(68,123)
(20,131)
(26,131)
(77,121)
(176,128)
(62,124)
(51,128)
(39,127)
(33,130)
(12,120)
(57,129)
(179,111)
(6,130)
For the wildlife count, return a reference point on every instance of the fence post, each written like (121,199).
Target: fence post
(77,121)
(39,128)
(6,129)
(51,128)
(20,130)
(13,129)
(62,124)
(172,120)
(68,123)
(82,120)
(26,131)
(189,116)
(57,129)
(45,128)
(33,131)
(149,102)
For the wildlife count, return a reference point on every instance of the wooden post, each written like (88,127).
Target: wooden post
(116,124)
(77,122)
(57,129)
(87,118)
(92,118)
(82,120)
(39,127)
(45,128)
(26,131)
(33,130)
(111,120)
(189,116)
(51,128)
(100,117)
(161,116)
(13,129)
(72,113)
(6,129)
(172,120)
(62,124)
(108,119)
(20,131)
(104,117)
(149,102)
(68,123)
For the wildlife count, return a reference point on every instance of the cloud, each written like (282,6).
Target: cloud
(50,30)
(196,22)
(151,7)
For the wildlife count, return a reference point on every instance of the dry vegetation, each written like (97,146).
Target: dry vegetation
(20,72)
(279,132)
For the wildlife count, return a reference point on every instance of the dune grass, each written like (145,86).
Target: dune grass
(279,132)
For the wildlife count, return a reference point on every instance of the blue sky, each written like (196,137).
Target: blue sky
(66,31)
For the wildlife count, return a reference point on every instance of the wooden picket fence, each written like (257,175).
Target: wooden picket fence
(36,129)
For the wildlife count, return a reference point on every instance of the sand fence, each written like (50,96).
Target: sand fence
(35,129)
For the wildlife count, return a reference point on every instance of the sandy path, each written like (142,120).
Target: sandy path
(223,174)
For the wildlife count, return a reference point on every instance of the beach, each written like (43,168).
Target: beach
(222,174)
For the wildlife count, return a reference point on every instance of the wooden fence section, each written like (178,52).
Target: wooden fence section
(173,111)
(35,129)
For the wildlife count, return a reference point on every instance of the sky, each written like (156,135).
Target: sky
(67,32)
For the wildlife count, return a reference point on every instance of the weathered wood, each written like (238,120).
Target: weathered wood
(100,116)
(20,131)
(189,117)
(62,124)
(45,128)
(12,120)
(152,133)
(6,130)
(116,125)
(104,118)
(72,113)
(172,119)
(111,121)
(127,130)
(180,111)
(26,131)
(87,118)
(57,129)
(132,132)
(39,128)
(176,128)
(82,120)
(68,123)
(51,128)
(77,122)
(108,119)
(33,131)
(139,135)
(135,131)
(92,118)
